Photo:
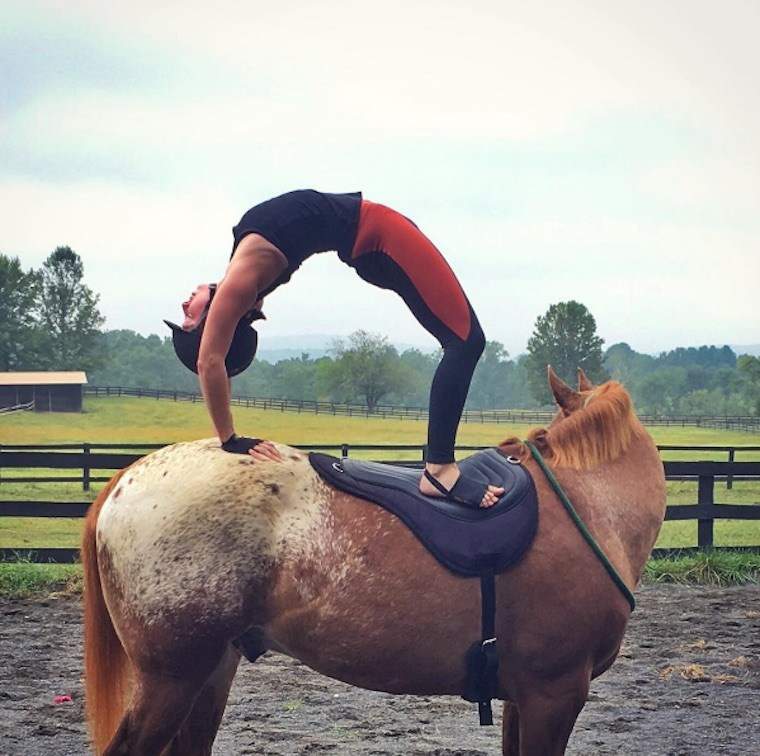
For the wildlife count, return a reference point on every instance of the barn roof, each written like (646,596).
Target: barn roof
(48,378)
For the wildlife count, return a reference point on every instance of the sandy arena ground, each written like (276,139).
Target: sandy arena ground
(687,682)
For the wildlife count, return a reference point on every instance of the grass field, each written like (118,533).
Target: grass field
(111,420)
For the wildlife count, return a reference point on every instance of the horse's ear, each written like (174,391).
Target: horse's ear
(566,398)
(584,384)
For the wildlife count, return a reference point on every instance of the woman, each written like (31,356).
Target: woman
(386,250)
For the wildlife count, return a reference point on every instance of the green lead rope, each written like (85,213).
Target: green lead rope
(584,531)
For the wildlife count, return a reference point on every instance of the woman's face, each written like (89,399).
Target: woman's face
(196,307)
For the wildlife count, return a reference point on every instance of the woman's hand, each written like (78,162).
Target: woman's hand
(256,447)
(266,451)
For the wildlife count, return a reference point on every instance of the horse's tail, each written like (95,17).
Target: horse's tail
(105,661)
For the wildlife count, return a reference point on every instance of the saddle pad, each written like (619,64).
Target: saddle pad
(467,541)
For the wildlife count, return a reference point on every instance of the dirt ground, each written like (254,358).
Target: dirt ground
(687,682)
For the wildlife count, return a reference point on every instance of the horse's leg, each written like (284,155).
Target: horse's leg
(547,713)
(162,700)
(196,736)
(158,708)
(510,730)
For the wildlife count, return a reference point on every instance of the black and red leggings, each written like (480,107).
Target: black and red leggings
(392,253)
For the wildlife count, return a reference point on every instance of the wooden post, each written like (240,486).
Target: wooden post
(705,496)
(86,467)
(729,477)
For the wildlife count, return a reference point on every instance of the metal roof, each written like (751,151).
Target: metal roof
(51,378)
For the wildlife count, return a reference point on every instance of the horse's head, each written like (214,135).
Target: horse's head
(593,424)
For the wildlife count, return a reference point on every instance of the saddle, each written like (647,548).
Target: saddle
(469,542)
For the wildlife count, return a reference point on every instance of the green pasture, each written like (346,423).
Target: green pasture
(109,420)
(131,420)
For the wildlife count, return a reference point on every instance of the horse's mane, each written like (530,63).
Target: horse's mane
(593,435)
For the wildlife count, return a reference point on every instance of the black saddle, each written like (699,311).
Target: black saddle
(468,541)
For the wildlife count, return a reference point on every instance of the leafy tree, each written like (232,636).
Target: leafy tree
(19,338)
(703,356)
(68,313)
(138,361)
(749,367)
(490,382)
(658,392)
(627,365)
(420,367)
(565,338)
(295,378)
(519,385)
(368,368)
(714,402)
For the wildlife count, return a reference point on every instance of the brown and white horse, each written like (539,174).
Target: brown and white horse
(191,547)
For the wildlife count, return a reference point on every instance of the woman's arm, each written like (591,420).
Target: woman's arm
(233,299)
(255,265)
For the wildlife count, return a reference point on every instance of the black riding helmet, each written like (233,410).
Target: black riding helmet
(187,337)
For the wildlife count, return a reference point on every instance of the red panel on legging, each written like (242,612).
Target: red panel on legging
(382,229)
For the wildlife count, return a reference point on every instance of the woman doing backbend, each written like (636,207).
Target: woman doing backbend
(386,250)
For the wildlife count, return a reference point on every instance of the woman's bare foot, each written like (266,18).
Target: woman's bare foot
(447,475)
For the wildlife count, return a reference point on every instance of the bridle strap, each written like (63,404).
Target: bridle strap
(584,531)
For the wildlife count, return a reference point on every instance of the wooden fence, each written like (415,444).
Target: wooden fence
(17,408)
(109,457)
(747,423)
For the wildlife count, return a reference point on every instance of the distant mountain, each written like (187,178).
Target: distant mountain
(753,349)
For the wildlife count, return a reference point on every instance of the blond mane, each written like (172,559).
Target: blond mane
(596,434)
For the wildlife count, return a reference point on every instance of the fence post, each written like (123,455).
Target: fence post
(705,497)
(424,453)
(86,467)
(344,450)
(729,477)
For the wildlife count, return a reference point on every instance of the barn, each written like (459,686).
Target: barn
(50,391)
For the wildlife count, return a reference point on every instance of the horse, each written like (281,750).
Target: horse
(191,548)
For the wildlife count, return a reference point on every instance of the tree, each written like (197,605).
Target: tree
(565,338)
(368,368)
(659,392)
(420,367)
(18,334)
(749,367)
(68,313)
(490,382)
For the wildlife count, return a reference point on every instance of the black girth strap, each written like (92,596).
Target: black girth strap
(482,659)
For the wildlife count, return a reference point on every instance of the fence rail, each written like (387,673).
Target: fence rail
(17,408)
(89,457)
(747,423)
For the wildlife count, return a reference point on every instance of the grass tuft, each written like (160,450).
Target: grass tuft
(719,568)
(25,580)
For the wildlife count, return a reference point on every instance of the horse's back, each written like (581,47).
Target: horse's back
(192,525)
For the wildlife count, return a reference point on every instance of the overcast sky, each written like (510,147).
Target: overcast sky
(602,151)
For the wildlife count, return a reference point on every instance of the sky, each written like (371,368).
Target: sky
(596,150)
